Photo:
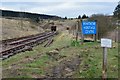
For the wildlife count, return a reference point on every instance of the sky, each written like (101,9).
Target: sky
(62,8)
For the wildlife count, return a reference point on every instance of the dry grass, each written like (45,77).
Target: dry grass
(12,28)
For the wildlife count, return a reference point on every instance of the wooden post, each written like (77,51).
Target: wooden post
(116,34)
(82,35)
(95,35)
(104,63)
(76,36)
(79,29)
(96,30)
(105,43)
(82,40)
(95,38)
(76,33)
(104,72)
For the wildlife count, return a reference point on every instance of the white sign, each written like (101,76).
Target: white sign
(106,42)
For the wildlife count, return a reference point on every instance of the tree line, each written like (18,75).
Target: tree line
(79,17)
(7,13)
(117,11)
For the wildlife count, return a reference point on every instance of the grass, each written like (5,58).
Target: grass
(14,28)
(93,58)
(36,63)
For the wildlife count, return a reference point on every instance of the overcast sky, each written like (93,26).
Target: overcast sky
(62,8)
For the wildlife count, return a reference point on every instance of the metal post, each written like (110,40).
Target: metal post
(104,72)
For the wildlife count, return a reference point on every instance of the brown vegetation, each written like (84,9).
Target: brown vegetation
(12,28)
(104,24)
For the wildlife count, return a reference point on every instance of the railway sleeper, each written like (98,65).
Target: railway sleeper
(13,49)
(20,42)
(25,47)
(29,44)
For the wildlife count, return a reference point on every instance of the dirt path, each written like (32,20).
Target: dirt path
(65,68)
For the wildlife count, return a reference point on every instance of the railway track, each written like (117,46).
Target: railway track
(16,45)
(8,41)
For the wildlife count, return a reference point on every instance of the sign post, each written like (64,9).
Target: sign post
(104,66)
(105,43)
(89,27)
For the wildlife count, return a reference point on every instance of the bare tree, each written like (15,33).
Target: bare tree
(103,23)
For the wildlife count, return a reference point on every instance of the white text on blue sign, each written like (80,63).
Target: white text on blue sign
(88,27)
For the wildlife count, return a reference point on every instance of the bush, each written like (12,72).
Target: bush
(104,24)
(75,43)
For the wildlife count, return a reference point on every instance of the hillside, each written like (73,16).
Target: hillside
(12,28)
(7,13)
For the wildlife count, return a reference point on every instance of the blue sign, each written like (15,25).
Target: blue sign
(89,27)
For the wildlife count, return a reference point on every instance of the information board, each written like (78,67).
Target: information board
(106,43)
(88,27)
